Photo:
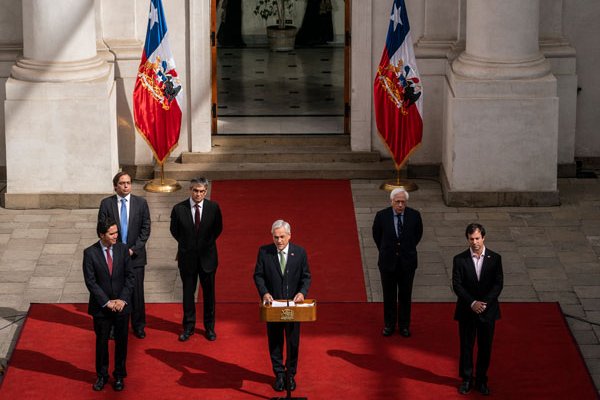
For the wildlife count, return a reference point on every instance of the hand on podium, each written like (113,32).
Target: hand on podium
(298,298)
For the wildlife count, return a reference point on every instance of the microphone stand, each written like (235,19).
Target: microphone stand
(288,350)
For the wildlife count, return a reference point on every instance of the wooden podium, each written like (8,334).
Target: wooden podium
(299,312)
(303,312)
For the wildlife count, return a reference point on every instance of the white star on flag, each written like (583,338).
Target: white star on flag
(153,16)
(396,17)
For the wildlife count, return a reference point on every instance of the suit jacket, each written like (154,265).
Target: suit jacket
(395,251)
(202,246)
(104,286)
(269,279)
(138,226)
(468,289)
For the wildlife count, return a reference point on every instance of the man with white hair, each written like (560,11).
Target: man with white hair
(396,231)
(282,273)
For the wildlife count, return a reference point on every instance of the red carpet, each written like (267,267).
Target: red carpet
(321,213)
(342,356)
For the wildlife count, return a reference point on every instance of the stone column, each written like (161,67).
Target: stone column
(60,105)
(501,120)
(562,58)
(439,25)
(11,47)
(199,91)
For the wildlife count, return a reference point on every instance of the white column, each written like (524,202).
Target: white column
(562,58)
(60,105)
(502,41)
(501,120)
(365,46)
(59,42)
(200,90)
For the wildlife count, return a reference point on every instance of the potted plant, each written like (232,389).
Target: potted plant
(281,36)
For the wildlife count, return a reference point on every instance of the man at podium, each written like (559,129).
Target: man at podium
(282,273)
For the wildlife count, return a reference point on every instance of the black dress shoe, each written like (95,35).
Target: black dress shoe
(404,332)
(387,331)
(139,333)
(210,335)
(483,388)
(185,335)
(291,384)
(100,382)
(119,384)
(279,384)
(465,387)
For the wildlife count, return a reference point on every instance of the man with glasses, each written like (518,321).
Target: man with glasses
(132,215)
(196,223)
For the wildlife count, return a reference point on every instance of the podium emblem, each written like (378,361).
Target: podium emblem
(287,314)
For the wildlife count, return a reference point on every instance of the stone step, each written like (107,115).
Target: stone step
(280,157)
(228,171)
(285,154)
(279,140)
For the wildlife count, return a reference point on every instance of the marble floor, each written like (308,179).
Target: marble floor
(299,91)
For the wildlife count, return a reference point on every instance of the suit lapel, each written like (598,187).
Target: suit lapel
(470,266)
(132,208)
(391,223)
(485,266)
(115,212)
(100,254)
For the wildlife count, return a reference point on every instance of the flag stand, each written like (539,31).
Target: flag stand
(398,183)
(162,185)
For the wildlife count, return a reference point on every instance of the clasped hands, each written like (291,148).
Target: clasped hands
(116,305)
(268,299)
(479,307)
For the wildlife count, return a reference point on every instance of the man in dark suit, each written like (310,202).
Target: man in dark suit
(110,279)
(133,222)
(282,273)
(396,231)
(196,223)
(477,280)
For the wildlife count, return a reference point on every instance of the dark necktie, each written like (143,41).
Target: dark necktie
(109,261)
(197,218)
(399,225)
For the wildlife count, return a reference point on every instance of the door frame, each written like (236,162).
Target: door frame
(347,64)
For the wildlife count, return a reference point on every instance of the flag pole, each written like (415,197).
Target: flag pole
(162,185)
(398,183)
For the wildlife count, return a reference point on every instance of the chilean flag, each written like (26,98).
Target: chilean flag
(157,96)
(398,90)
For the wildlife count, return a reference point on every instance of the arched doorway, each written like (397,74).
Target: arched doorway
(258,91)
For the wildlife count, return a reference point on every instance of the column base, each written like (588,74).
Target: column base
(500,142)
(25,201)
(457,198)
(61,142)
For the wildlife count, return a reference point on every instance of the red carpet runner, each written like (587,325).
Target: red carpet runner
(321,213)
(343,356)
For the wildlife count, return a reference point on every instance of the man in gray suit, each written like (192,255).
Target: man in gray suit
(133,222)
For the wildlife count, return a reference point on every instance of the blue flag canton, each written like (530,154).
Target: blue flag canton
(157,27)
(398,28)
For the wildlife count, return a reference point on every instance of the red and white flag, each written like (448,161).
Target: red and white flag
(158,95)
(398,90)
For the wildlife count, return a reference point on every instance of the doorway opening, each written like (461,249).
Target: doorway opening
(304,90)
